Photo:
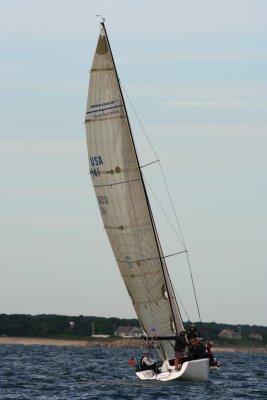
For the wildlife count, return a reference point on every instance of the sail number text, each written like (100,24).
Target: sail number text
(95,162)
(103,201)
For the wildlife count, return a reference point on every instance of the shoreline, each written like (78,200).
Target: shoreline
(4,340)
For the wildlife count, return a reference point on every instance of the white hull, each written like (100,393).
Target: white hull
(195,371)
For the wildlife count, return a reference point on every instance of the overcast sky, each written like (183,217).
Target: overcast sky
(195,72)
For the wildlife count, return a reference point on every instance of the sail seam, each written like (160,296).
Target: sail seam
(141,259)
(151,258)
(122,227)
(118,183)
(102,118)
(101,69)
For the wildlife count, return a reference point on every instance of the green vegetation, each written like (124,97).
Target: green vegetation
(48,326)
(67,327)
(210,331)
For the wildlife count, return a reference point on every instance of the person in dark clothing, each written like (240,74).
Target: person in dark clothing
(199,349)
(192,335)
(179,348)
(192,345)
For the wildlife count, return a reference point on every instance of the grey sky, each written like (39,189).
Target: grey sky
(196,74)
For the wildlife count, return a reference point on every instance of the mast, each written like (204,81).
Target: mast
(171,296)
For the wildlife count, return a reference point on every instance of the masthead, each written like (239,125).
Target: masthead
(103,19)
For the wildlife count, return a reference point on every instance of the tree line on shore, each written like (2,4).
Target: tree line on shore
(81,327)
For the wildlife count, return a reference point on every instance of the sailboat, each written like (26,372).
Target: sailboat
(127,216)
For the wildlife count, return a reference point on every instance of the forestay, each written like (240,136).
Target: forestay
(123,202)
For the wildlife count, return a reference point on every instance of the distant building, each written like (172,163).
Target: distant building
(129,332)
(230,334)
(255,336)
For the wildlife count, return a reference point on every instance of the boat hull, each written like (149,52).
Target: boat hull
(194,371)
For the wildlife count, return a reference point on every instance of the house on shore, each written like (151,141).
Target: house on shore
(230,334)
(255,336)
(129,332)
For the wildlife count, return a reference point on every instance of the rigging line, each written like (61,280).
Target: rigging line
(146,165)
(171,343)
(195,294)
(154,151)
(166,215)
(175,254)
(182,305)
(173,302)
(140,122)
(176,218)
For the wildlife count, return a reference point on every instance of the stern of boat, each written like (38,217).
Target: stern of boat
(193,371)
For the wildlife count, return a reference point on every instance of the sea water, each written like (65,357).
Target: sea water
(53,372)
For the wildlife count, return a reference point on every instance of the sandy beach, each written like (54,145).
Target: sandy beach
(80,343)
(109,343)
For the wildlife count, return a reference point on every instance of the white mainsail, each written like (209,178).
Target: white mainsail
(124,204)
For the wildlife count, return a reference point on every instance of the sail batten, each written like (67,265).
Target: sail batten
(123,201)
(140,260)
(115,183)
